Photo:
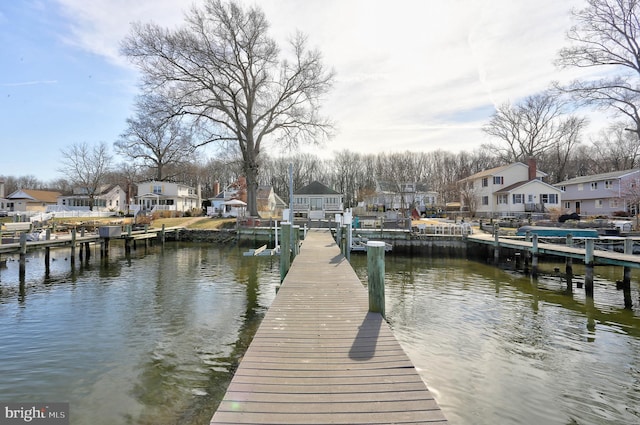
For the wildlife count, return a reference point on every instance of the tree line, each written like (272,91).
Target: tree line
(355,174)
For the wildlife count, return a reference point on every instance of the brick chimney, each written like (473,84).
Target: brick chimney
(532,169)
(216,188)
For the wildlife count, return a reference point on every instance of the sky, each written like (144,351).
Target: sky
(411,75)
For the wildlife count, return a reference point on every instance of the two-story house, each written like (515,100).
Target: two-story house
(401,196)
(156,196)
(317,201)
(601,194)
(510,190)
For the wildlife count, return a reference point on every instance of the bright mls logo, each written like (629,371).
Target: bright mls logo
(34,413)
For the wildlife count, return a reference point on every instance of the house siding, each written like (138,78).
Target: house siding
(600,194)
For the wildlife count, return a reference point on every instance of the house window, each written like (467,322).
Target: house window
(608,184)
(503,199)
(498,180)
(530,198)
(598,203)
(485,182)
(580,186)
(518,198)
(563,188)
(157,189)
(614,203)
(567,205)
(594,185)
(549,198)
(485,200)
(316,204)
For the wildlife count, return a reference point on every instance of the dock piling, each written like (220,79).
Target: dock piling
(588,267)
(626,279)
(375,271)
(534,255)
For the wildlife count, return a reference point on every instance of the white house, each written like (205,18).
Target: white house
(24,200)
(109,198)
(401,196)
(317,201)
(602,194)
(154,196)
(512,189)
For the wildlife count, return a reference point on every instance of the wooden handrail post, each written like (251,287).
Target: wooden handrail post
(375,271)
(285,250)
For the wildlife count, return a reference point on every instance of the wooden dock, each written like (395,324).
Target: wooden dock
(600,256)
(319,356)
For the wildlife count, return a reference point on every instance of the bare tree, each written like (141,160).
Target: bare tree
(533,127)
(616,149)
(155,140)
(224,70)
(86,167)
(605,35)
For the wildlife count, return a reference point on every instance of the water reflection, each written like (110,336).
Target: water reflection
(498,347)
(147,338)
(154,337)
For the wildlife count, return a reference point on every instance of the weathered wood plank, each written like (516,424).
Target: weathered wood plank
(320,357)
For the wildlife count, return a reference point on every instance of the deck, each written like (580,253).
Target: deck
(319,356)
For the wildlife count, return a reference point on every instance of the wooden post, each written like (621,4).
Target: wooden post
(87,250)
(73,247)
(285,250)
(569,265)
(343,240)
(588,264)
(626,279)
(23,255)
(518,260)
(295,248)
(496,245)
(47,252)
(375,270)
(162,235)
(534,255)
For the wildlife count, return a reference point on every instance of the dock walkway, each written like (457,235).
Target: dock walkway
(319,356)
(600,256)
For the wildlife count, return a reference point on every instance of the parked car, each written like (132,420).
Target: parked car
(3,213)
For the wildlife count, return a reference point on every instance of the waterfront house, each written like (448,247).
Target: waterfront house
(156,196)
(28,200)
(602,194)
(226,204)
(403,196)
(270,205)
(316,201)
(108,198)
(510,190)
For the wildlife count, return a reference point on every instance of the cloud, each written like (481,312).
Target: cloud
(409,72)
(29,83)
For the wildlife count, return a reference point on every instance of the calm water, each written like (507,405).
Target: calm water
(154,339)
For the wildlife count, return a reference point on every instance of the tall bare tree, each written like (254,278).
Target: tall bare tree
(154,140)
(533,127)
(223,69)
(87,167)
(605,35)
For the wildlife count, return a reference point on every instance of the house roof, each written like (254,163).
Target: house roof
(498,170)
(518,185)
(392,187)
(597,177)
(316,188)
(47,196)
